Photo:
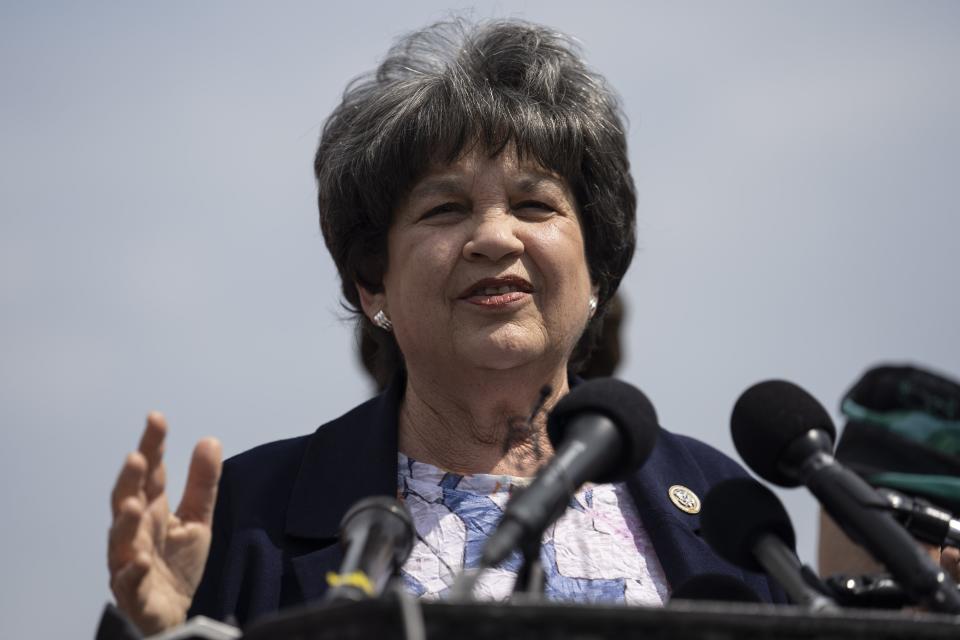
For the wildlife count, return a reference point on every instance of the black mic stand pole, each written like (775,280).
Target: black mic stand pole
(782,564)
(858,509)
(530,577)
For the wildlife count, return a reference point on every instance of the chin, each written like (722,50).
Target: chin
(502,352)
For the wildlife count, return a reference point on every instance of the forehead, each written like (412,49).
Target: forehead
(476,168)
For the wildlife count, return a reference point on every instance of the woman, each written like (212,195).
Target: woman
(476,197)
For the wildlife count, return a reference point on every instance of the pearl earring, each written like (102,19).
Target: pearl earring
(592,304)
(381,320)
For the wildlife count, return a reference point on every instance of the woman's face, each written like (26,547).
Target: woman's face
(486,268)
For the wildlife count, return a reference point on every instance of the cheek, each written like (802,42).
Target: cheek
(419,265)
(561,252)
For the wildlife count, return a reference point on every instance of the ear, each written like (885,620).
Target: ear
(371,302)
(594,300)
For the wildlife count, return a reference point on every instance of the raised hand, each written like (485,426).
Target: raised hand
(156,557)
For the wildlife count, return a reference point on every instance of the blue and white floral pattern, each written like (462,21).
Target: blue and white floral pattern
(598,551)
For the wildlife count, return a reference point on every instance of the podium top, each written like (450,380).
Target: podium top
(557,621)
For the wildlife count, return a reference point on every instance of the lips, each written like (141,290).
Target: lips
(496,287)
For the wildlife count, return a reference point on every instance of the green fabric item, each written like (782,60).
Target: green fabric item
(947,487)
(919,426)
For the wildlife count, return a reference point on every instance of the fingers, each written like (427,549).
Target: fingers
(200,492)
(125,583)
(128,579)
(121,546)
(151,446)
(129,482)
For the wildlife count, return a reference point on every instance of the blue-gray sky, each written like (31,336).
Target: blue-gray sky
(797,168)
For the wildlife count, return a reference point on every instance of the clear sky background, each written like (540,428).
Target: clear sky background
(797,168)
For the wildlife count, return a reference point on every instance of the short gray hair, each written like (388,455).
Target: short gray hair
(451,88)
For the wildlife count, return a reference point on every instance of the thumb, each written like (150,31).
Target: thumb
(200,492)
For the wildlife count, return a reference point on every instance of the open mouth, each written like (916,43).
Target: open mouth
(492,287)
(498,292)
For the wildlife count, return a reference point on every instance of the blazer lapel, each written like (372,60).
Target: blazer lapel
(346,460)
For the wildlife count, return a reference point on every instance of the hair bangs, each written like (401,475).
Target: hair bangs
(438,127)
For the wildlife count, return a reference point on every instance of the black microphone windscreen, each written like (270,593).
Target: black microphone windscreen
(624,404)
(718,587)
(736,513)
(767,418)
(391,518)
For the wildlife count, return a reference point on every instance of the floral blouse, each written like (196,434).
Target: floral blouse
(597,551)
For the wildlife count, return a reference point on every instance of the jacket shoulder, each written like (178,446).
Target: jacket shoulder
(277,452)
(715,464)
(265,473)
(266,466)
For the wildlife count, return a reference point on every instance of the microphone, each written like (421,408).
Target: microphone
(601,431)
(867,592)
(747,525)
(715,587)
(377,533)
(786,437)
(925,521)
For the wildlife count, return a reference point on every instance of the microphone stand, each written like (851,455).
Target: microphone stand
(784,566)
(531,579)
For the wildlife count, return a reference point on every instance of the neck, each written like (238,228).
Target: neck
(481,425)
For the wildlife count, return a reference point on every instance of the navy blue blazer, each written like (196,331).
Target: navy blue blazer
(275,526)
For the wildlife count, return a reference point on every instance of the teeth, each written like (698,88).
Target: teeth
(496,291)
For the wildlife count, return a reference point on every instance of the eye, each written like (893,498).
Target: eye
(534,208)
(443,209)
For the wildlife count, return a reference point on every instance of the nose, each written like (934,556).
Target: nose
(494,238)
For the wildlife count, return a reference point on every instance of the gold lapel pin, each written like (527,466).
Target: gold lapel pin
(684,499)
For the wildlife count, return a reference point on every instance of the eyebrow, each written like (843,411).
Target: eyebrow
(446,185)
(438,185)
(531,181)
